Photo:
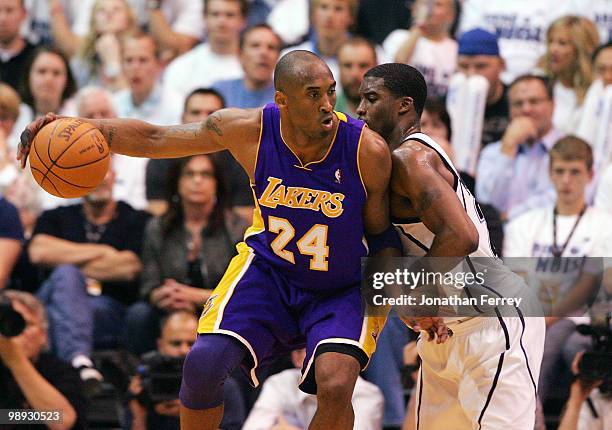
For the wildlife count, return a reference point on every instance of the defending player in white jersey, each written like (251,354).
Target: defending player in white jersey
(485,375)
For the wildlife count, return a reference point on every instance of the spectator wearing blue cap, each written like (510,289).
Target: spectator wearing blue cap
(479,55)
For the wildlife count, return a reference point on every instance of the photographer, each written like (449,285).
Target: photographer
(29,378)
(153,393)
(588,407)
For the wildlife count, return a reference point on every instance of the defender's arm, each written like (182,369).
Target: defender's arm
(416,175)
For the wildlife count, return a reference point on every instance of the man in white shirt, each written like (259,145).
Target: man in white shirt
(282,405)
(216,59)
(569,229)
(144,99)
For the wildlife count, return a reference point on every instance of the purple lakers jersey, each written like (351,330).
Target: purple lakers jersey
(308,221)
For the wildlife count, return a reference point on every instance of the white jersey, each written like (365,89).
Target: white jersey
(417,238)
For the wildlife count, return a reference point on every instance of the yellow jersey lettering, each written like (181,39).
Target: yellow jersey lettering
(301,198)
(266,198)
(336,210)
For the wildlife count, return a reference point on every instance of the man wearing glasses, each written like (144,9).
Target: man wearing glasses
(512,174)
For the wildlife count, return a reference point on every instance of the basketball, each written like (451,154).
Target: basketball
(69,157)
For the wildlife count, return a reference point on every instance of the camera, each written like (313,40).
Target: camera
(595,364)
(161,377)
(11,321)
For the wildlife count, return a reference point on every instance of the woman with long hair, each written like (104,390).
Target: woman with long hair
(186,250)
(571,41)
(98,58)
(49,84)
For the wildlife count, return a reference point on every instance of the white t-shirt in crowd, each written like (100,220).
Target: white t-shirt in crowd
(280,396)
(200,67)
(184,16)
(520,26)
(289,19)
(436,60)
(567,113)
(531,235)
(37,27)
(603,196)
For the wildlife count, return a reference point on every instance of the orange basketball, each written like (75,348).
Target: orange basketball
(69,157)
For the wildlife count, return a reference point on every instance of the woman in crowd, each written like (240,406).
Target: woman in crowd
(187,250)
(571,41)
(49,83)
(98,58)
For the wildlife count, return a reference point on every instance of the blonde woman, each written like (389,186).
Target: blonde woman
(571,40)
(98,59)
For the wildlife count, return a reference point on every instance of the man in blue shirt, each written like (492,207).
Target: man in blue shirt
(512,174)
(259,51)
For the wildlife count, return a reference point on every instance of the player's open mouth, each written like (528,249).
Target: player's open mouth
(328,123)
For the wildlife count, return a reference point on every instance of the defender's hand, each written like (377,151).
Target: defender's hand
(27,136)
(434,326)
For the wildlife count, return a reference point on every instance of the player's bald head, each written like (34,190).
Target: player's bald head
(297,67)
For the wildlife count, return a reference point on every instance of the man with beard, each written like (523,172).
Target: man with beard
(355,57)
(93,250)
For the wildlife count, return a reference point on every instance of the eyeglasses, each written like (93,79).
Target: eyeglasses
(191,174)
(534,101)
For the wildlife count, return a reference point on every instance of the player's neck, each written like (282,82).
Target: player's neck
(570,208)
(400,133)
(99,213)
(307,148)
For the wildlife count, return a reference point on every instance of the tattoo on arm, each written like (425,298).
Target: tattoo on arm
(212,123)
(112,131)
(427,197)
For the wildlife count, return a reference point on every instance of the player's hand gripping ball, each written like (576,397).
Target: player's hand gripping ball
(69,157)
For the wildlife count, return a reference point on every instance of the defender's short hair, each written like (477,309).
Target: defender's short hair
(402,80)
(572,148)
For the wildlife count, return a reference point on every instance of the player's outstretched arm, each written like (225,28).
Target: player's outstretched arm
(222,130)
(417,176)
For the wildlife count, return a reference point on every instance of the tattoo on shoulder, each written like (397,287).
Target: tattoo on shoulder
(212,123)
(427,197)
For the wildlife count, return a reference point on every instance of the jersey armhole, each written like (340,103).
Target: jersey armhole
(358,164)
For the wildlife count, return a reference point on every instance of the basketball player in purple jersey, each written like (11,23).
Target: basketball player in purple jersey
(320,182)
(485,375)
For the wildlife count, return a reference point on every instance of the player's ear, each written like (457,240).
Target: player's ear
(405,104)
(280,99)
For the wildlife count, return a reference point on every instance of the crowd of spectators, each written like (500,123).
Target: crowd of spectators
(129,266)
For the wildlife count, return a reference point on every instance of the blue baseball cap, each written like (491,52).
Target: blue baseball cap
(478,42)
